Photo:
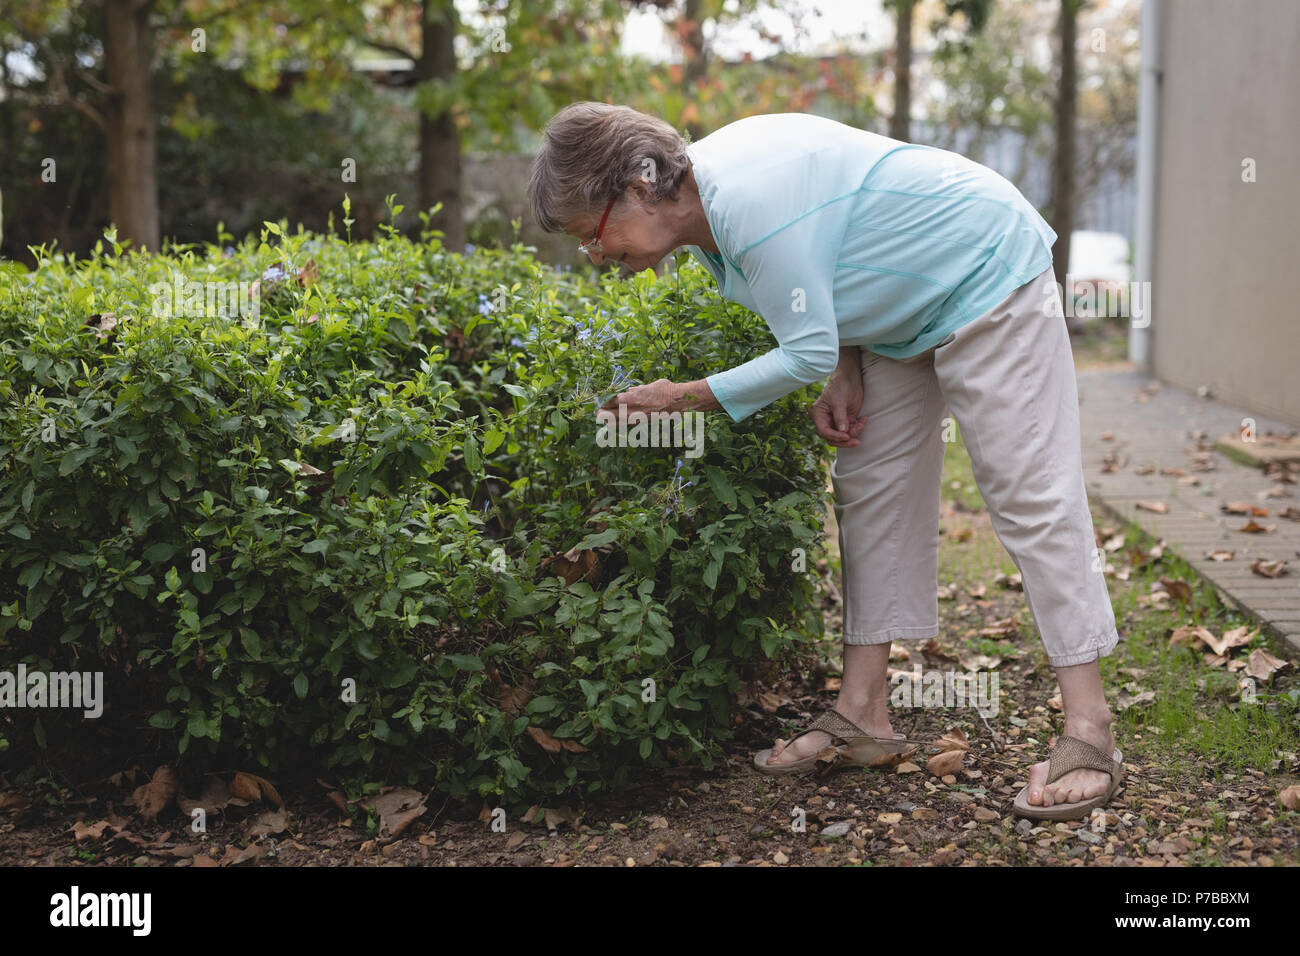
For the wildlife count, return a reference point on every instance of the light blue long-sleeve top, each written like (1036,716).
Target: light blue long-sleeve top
(838,236)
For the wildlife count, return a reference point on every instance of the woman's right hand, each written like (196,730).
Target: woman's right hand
(835,412)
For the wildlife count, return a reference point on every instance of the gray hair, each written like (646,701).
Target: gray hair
(592,152)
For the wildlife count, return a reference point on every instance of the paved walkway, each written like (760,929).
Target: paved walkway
(1134,428)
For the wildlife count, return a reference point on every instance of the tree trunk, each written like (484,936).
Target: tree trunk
(129,131)
(900,122)
(440,169)
(1063,167)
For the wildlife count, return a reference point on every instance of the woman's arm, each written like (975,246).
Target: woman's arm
(694,397)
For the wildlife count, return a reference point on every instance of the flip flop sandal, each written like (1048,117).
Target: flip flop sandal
(858,749)
(1071,753)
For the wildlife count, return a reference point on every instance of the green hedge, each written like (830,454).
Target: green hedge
(383,470)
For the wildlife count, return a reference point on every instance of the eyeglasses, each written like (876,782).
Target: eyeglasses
(594,244)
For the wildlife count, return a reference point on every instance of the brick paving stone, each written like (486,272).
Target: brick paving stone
(1164,426)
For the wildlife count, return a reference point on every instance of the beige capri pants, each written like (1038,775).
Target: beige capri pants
(1008,378)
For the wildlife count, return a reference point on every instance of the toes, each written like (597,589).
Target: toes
(1038,796)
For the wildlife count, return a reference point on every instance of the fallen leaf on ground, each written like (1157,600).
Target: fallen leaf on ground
(215,796)
(1269,569)
(123,777)
(1242,508)
(249,786)
(933,649)
(1292,514)
(1221,647)
(1126,700)
(236,857)
(1220,555)
(154,797)
(1261,665)
(954,739)
(950,761)
(398,808)
(557,815)
(1180,591)
(269,823)
(89,831)
(513,699)
(1006,627)
(1159,507)
(1254,527)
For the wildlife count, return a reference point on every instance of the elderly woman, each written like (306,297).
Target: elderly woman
(913,281)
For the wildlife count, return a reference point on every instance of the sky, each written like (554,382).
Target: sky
(815,26)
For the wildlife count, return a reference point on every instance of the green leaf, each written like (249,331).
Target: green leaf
(162,551)
(412,580)
(720,485)
(473,460)
(597,539)
(300,685)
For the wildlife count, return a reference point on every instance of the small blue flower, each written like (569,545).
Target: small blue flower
(469,247)
(517,343)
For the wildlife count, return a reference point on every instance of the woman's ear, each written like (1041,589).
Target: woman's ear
(642,192)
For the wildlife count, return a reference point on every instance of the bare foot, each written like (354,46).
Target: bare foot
(815,741)
(1077,785)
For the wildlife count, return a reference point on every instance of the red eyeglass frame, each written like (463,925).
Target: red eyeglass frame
(593,244)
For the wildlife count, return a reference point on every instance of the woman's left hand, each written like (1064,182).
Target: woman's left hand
(654,396)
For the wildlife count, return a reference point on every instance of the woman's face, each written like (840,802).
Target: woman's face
(637,234)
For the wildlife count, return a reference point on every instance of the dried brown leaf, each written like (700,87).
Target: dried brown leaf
(1261,665)
(1254,527)
(949,761)
(157,795)
(398,808)
(251,787)
(1269,569)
